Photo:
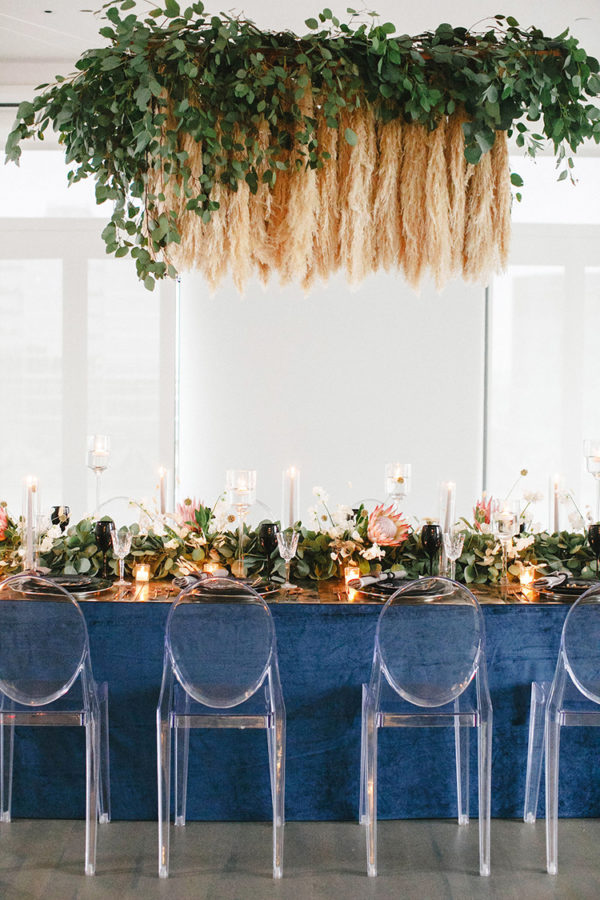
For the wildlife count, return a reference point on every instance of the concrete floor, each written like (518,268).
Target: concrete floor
(42,860)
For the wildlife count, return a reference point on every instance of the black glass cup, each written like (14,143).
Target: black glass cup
(594,542)
(267,541)
(431,540)
(60,515)
(103,536)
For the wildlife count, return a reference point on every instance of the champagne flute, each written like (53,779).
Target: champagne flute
(121,543)
(103,537)
(594,542)
(287,541)
(267,539)
(453,544)
(431,540)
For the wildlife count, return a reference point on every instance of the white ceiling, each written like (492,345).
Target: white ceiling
(31,37)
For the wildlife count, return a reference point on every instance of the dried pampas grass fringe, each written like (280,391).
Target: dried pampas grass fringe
(402,198)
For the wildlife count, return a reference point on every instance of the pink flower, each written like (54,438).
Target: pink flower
(3,523)
(482,512)
(386,527)
(186,512)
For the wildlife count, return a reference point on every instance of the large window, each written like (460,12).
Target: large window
(84,348)
(544,368)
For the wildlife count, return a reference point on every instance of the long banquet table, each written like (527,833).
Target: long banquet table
(325,651)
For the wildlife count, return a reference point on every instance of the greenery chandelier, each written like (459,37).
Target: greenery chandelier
(225,147)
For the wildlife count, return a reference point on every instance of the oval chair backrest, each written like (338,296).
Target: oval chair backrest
(221,638)
(43,640)
(580,643)
(121,509)
(430,638)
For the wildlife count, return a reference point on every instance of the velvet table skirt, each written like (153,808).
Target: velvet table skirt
(325,654)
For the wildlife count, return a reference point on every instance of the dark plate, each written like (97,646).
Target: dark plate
(80,585)
(383,590)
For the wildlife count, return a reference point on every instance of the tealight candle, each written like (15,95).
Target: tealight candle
(214,568)
(351,573)
(527,576)
(142,572)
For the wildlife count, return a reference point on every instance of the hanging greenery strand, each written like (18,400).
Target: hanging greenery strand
(228,148)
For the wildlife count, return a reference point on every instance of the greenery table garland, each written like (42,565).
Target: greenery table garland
(169,547)
(354,146)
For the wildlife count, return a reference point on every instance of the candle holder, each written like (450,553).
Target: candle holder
(505,525)
(240,487)
(98,457)
(397,481)
(142,572)
(591,451)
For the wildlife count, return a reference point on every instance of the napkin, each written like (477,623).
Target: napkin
(358,583)
(553,580)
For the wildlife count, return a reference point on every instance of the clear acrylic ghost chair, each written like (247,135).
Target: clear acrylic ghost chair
(429,649)
(46,679)
(571,699)
(220,671)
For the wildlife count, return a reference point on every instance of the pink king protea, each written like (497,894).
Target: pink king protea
(386,526)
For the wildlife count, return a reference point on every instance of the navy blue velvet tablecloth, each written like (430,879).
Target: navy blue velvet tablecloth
(325,654)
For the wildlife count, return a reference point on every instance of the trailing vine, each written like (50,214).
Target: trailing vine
(178,76)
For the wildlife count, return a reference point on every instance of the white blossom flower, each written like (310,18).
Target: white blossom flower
(522,543)
(536,528)
(576,521)
(533,496)
(320,494)
(485,528)
(337,531)
(373,552)
(356,537)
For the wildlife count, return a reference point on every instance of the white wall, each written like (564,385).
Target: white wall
(337,383)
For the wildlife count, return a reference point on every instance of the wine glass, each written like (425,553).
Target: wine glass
(591,451)
(98,456)
(121,543)
(594,542)
(60,515)
(453,544)
(431,540)
(505,524)
(267,539)
(287,541)
(103,537)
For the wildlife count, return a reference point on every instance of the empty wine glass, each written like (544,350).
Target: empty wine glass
(287,541)
(453,545)
(121,542)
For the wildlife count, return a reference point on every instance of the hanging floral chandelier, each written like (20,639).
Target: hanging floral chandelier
(230,149)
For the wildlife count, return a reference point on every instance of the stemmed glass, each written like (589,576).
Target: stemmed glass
(397,481)
(431,539)
(453,545)
(121,543)
(98,457)
(505,525)
(594,542)
(240,486)
(267,539)
(591,451)
(103,537)
(287,541)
